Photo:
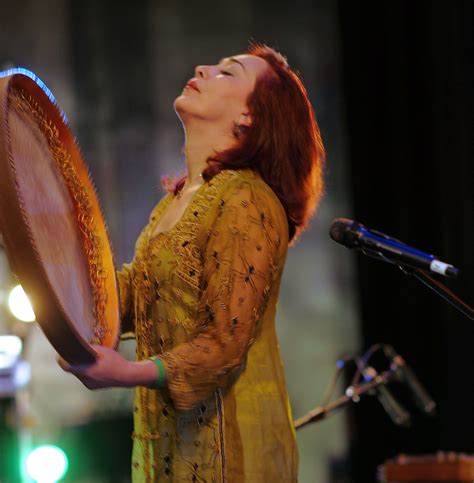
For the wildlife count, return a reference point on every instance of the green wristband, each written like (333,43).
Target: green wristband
(161,371)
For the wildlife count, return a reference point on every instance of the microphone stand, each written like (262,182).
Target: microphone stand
(439,288)
(432,283)
(353,393)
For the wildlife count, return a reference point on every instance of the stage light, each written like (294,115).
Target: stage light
(46,464)
(10,350)
(20,305)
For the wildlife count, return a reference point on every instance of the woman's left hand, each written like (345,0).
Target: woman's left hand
(109,370)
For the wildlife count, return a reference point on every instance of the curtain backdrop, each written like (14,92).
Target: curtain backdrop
(408,86)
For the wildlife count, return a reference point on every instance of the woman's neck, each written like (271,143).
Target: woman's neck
(202,142)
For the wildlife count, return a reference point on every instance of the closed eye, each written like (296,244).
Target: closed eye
(224,72)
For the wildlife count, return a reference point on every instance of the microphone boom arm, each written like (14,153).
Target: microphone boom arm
(320,412)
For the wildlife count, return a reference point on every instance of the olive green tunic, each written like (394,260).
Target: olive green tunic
(202,296)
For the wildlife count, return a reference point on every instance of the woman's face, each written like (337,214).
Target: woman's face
(218,93)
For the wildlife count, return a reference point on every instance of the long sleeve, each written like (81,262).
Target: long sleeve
(246,241)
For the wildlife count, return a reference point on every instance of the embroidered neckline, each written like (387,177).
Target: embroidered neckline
(199,198)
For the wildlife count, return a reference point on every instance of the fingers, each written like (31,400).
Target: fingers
(98,350)
(73,369)
(63,364)
(102,351)
(77,371)
(89,383)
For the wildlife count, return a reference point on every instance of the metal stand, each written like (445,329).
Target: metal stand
(441,289)
(353,394)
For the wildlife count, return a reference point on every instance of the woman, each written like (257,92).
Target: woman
(200,295)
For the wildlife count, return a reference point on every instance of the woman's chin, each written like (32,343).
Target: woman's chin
(185,108)
(181,104)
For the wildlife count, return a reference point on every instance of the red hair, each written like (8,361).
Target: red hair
(283,144)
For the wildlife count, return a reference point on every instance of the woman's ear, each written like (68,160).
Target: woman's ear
(245,119)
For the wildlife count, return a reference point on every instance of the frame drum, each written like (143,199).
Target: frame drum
(52,224)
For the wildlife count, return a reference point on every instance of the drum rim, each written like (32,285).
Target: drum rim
(65,330)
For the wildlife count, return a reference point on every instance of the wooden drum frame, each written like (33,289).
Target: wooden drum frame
(52,224)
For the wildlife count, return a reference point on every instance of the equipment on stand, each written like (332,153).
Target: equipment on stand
(427,268)
(353,234)
(375,384)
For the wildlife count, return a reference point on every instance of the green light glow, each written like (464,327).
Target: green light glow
(46,464)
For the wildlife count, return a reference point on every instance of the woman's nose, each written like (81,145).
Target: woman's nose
(200,71)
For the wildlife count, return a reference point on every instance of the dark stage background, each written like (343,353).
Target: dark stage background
(391,84)
(407,74)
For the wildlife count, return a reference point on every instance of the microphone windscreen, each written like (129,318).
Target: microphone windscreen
(339,229)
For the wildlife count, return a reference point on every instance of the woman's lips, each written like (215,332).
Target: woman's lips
(192,84)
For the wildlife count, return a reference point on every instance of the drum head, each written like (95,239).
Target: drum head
(52,224)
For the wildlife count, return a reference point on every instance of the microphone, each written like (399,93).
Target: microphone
(352,234)
(422,399)
(398,414)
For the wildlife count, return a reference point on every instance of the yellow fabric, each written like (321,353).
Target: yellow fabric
(202,297)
